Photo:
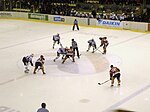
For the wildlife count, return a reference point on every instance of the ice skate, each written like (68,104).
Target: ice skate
(26,71)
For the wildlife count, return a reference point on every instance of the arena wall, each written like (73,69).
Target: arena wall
(149,27)
(92,22)
(13,15)
(67,19)
(128,25)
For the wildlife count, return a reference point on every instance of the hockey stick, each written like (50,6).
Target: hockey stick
(61,45)
(103,82)
(70,59)
(97,49)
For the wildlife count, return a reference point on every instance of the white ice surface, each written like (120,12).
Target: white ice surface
(72,87)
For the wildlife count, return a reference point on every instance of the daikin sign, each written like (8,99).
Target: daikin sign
(109,23)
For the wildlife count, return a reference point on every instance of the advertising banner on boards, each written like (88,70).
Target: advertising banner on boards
(38,16)
(58,19)
(109,23)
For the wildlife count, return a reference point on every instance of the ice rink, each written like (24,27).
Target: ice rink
(72,87)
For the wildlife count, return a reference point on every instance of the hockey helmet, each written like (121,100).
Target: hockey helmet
(100,38)
(111,66)
(41,56)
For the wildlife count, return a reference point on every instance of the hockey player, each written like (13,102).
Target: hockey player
(114,73)
(69,53)
(39,63)
(60,51)
(75,47)
(26,60)
(104,44)
(92,43)
(75,24)
(56,38)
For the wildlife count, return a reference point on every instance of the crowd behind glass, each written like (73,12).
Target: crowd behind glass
(129,10)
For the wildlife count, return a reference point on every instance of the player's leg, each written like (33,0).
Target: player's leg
(25,62)
(104,50)
(42,68)
(73,27)
(73,58)
(64,59)
(36,67)
(112,80)
(77,52)
(74,49)
(77,26)
(89,47)
(58,55)
(54,44)
(63,55)
(93,48)
(118,78)
(111,75)
(58,41)
(27,68)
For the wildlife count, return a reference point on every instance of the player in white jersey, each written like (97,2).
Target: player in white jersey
(92,43)
(56,38)
(39,64)
(60,51)
(26,60)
